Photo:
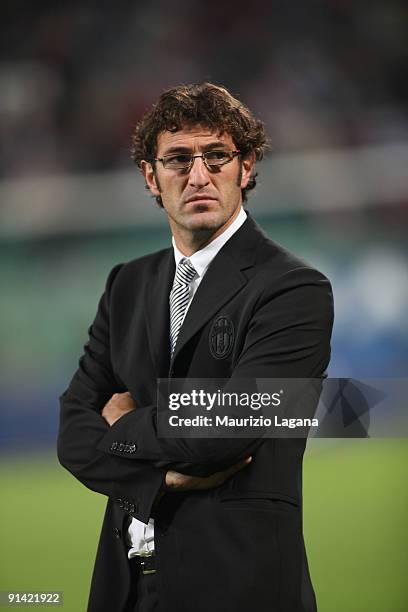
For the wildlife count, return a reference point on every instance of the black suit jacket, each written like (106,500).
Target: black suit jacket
(238,547)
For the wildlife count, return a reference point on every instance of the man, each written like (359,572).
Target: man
(223,517)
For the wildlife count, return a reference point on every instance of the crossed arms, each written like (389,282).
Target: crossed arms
(288,336)
(122,403)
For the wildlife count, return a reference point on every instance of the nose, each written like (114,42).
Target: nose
(198,176)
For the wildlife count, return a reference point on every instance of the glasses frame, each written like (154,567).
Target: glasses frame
(210,167)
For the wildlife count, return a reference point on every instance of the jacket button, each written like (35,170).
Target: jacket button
(117,533)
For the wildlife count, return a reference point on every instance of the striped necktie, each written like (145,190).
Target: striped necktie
(179,298)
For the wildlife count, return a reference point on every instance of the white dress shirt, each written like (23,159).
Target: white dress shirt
(141,536)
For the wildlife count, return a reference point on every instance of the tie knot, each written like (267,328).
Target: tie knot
(185,272)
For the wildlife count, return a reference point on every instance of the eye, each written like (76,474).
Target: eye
(214,157)
(178,159)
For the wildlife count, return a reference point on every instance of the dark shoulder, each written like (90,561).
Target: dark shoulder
(141,268)
(147,263)
(150,262)
(303,289)
(280,279)
(272,260)
(280,268)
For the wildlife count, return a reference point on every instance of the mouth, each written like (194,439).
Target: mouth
(201,199)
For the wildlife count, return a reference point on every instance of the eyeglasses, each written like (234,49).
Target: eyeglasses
(185,161)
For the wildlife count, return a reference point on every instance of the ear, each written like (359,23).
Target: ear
(248,164)
(150,177)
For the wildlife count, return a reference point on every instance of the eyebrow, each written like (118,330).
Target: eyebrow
(216,144)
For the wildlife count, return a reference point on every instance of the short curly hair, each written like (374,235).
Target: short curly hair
(205,104)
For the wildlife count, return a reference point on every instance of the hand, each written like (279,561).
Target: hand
(175,481)
(118,405)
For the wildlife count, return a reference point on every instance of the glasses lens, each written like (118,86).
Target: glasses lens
(182,161)
(217,158)
(177,162)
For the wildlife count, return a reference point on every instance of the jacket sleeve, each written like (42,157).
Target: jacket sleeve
(135,484)
(288,336)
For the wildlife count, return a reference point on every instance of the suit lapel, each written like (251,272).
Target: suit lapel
(157,312)
(223,279)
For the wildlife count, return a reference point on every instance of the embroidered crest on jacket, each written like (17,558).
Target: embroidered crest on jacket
(221,338)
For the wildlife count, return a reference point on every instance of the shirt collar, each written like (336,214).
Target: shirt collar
(201,259)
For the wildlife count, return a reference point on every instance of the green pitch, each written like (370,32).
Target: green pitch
(355,523)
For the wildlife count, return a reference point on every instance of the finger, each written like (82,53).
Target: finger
(237,466)
(241,464)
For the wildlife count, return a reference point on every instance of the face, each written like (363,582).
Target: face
(201,200)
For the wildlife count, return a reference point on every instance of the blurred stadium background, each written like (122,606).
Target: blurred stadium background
(329,79)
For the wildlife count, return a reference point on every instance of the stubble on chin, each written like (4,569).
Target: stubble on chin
(204,224)
(196,232)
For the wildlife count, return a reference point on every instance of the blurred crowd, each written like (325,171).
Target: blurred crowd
(75,76)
